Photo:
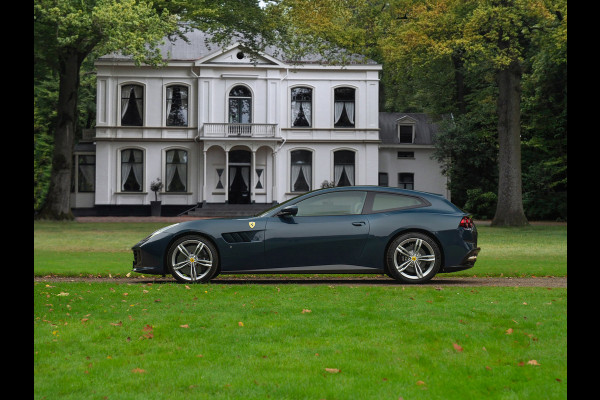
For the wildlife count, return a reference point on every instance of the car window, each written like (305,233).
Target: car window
(388,201)
(335,203)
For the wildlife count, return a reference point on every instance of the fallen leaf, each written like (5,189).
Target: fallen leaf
(117,324)
(304,311)
(128,274)
(63,294)
(138,371)
(533,362)
(509,331)
(184,326)
(420,383)
(84,320)
(240,323)
(457,347)
(332,370)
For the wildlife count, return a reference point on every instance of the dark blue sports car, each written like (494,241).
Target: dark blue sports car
(406,234)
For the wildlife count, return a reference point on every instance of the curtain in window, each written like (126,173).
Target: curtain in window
(177,106)
(350,111)
(131,170)
(132,104)
(338,108)
(301,106)
(301,170)
(176,171)
(86,178)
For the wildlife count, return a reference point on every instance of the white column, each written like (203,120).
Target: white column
(252,169)
(204,179)
(226,175)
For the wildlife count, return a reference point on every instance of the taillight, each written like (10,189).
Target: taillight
(467,223)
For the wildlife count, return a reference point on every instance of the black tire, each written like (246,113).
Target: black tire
(192,259)
(413,257)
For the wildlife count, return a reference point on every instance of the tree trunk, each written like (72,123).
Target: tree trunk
(58,205)
(509,211)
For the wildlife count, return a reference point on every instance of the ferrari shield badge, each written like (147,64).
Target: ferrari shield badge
(251,223)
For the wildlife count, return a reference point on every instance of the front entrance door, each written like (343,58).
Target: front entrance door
(239,184)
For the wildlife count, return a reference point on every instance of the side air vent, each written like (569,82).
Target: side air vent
(242,237)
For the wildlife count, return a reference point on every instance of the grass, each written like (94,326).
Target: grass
(107,340)
(110,340)
(72,248)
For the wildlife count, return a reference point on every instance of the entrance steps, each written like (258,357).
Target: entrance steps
(220,210)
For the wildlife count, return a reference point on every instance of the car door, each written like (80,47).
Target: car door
(329,229)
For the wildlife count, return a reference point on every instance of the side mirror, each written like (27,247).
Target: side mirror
(288,211)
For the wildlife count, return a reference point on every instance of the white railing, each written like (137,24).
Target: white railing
(238,130)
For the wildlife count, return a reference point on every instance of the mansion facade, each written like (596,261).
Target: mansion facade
(219,126)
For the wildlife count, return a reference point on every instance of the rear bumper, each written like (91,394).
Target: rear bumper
(467,262)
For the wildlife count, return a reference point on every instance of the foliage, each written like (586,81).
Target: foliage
(481,205)
(155,186)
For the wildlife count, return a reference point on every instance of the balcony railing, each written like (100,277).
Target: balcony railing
(238,130)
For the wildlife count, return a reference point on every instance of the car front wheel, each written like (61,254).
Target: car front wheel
(413,258)
(192,259)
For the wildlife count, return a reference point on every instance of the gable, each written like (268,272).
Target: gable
(237,56)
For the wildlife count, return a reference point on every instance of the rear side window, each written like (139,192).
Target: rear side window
(388,201)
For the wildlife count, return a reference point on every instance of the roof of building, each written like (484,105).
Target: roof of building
(199,45)
(425,128)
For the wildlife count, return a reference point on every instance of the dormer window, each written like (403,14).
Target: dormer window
(406,133)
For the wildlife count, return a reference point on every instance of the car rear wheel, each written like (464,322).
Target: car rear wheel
(192,259)
(413,258)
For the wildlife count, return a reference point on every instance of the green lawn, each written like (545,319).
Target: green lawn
(72,248)
(110,340)
(114,340)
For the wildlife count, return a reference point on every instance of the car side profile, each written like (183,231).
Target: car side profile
(408,235)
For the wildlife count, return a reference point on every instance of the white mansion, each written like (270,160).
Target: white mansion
(219,127)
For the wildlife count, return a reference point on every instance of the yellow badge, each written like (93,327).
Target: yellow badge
(251,224)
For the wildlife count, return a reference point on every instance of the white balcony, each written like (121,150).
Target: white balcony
(219,130)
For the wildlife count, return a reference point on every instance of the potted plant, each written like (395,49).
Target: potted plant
(155,206)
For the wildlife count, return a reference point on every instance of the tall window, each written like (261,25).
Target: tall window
(176,170)
(343,168)
(132,105)
(240,105)
(302,106)
(406,180)
(132,167)
(177,105)
(301,170)
(343,107)
(86,173)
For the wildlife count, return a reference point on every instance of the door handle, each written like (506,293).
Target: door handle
(361,223)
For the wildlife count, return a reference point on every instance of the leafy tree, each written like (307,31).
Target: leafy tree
(65,33)
(443,42)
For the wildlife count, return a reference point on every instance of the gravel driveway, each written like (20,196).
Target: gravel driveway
(549,282)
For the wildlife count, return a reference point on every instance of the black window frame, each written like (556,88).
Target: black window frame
(412,182)
(339,96)
(142,162)
(186,163)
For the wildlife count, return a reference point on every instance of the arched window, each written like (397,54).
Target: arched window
(301,106)
(343,107)
(343,168)
(132,170)
(132,105)
(177,105)
(301,170)
(240,105)
(176,170)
